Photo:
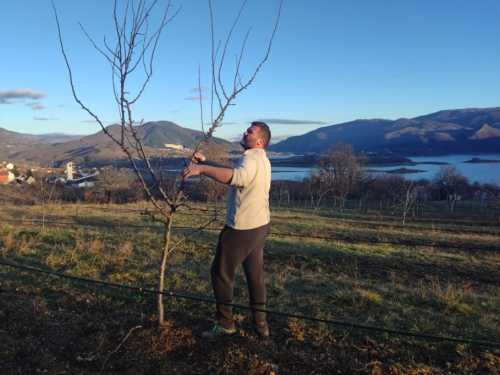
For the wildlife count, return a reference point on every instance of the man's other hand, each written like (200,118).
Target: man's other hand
(199,158)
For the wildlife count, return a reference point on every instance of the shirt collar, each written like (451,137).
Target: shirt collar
(255,151)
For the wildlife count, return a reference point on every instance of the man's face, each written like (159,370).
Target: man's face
(251,138)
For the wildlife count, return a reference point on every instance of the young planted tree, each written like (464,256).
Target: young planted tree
(44,193)
(316,190)
(133,52)
(406,195)
(280,191)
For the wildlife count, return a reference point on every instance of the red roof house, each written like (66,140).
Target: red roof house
(6,177)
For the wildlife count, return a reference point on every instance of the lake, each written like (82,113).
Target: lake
(480,172)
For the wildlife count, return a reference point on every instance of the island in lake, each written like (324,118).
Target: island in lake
(477,161)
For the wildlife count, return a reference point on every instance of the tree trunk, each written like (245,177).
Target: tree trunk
(453,203)
(161,271)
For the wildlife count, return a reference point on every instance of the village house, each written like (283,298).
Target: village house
(24,179)
(6,177)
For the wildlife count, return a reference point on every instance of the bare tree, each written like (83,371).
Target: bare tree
(422,195)
(449,180)
(280,191)
(134,50)
(113,182)
(316,190)
(494,192)
(45,193)
(340,170)
(406,194)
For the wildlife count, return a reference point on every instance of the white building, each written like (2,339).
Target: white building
(69,170)
(171,145)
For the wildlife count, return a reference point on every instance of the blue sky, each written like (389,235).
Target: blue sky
(331,62)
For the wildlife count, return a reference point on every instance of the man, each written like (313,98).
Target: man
(241,242)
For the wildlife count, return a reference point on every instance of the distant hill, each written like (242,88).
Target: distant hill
(157,134)
(7,136)
(53,137)
(13,142)
(98,148)
(471,130)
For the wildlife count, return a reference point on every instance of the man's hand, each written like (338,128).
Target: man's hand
(223,175)
(209,168)
(187,171)
(191,170)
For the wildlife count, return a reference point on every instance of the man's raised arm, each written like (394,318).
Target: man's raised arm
(202,159)
(209,168)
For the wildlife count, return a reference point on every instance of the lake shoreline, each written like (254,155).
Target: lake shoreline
(308,161)
(481,168)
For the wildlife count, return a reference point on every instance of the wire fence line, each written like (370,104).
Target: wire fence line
(203,299)
(339,237)
(349,211)
(386,214)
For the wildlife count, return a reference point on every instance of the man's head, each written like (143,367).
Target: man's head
(257,136)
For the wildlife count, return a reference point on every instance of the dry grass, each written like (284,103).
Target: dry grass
(411,287)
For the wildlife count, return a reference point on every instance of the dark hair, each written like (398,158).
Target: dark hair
(264,132)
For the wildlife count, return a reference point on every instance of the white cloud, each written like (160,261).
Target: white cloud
(36,106)
(194,98)
(12,96)
(198,89)
(45,119)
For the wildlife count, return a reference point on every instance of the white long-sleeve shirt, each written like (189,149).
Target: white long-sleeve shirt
(247,205)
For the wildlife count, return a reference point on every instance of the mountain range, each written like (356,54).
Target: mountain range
(473,130)
(98,148)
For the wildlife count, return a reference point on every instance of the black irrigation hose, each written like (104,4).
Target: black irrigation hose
(337,238)
(272,312)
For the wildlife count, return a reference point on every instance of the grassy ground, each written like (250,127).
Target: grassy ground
(437,279)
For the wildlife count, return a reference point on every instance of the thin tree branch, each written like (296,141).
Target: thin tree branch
(118,347)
